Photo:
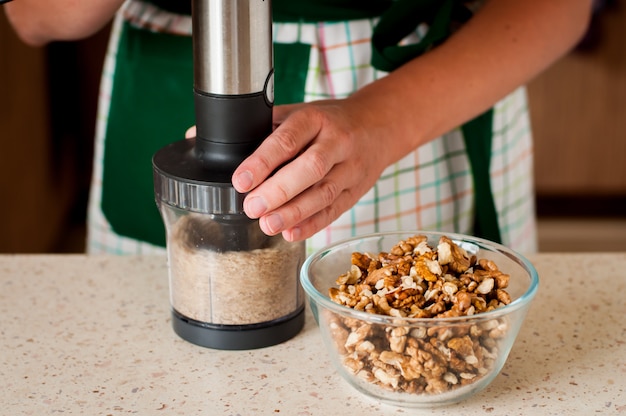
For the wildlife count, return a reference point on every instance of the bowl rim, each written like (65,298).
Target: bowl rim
(519,302)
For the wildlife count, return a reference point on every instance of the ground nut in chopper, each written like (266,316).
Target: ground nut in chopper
(231,286)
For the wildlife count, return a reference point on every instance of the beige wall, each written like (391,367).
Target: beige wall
(34,191)
(578,110)
(47,115)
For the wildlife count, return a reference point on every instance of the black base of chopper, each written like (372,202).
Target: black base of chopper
(238,337)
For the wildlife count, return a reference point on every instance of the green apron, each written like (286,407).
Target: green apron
(152,100)
(151,106)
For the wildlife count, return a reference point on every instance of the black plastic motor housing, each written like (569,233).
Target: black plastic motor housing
(230,127)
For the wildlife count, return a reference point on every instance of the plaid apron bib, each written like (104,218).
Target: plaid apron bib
(147,102)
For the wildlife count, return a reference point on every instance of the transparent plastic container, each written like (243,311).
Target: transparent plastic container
(231,286)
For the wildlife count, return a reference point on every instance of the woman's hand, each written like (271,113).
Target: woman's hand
(326,157)
(319,160)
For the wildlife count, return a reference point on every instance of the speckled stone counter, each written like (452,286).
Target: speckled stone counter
(92,335)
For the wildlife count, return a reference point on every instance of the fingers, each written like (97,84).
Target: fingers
(291,180)
(319,220)
(317,206)
(286,142)
(190,133)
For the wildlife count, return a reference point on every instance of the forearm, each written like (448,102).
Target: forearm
(38,22)
(504,46)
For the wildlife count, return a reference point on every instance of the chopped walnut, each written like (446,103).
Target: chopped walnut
(415,280)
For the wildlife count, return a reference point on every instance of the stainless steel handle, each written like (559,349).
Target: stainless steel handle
(232,45)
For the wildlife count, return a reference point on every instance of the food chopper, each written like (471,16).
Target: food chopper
(231,286)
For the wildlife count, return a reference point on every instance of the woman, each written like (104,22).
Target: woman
(383,131)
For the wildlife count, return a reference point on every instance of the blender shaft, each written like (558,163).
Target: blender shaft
(233,79)
(232,45)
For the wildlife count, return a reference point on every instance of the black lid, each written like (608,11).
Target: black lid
(183,180)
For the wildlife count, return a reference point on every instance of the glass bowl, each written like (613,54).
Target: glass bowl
(417,361)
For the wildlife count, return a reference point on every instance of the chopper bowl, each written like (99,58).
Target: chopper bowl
(416,378)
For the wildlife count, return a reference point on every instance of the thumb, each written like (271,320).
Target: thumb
(190,133)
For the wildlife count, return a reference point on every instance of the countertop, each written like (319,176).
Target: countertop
(92,335)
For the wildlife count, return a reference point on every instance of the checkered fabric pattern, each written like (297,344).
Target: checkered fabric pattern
(429,189)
